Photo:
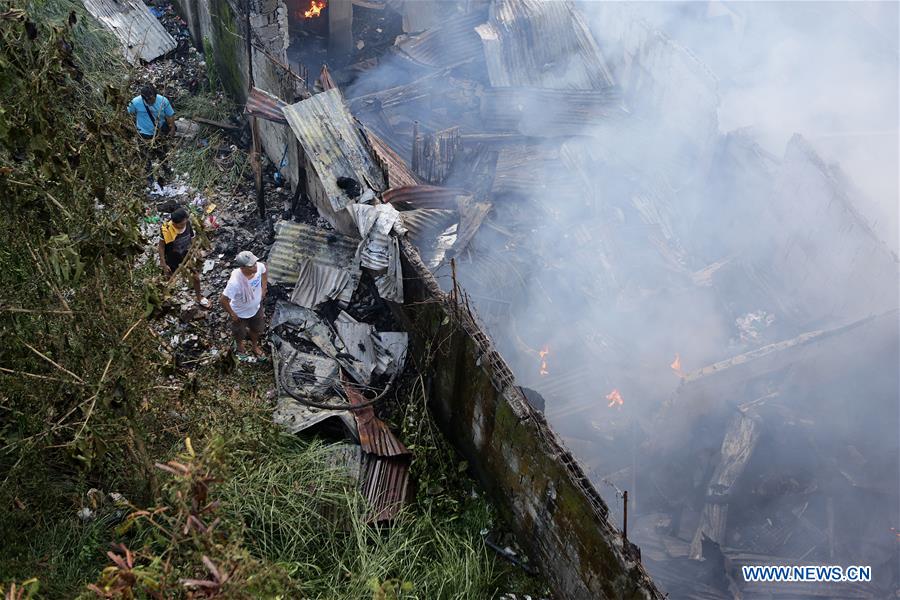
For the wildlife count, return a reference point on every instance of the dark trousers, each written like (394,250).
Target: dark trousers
(243,327)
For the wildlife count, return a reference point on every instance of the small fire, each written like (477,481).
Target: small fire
(676,365)
(543,354)
(315,9)
(615,398)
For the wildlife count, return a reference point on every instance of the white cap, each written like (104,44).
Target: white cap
(245,259)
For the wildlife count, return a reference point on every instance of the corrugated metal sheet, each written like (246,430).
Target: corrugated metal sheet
(451,43)
(424,196)
(385,476)
(541,44)
(533,171)
(392,347)
(264,105)
(385,486)
(425,224)
(374,435)
(318,283)
(375,224)
(359,342)
(547,112)
(334,147)
(394,167)
(297,242)
(384,351)
(432,231)
(434,153)
(295,417)
(142,36)
(390,284)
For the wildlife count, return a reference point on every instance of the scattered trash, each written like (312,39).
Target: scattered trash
(169,191)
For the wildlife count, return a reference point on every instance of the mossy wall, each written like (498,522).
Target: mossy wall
(221,28)
(537,485)
(229,48)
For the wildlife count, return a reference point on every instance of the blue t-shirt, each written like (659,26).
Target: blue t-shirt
(161,109)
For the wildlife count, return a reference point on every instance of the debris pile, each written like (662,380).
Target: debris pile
(539,175)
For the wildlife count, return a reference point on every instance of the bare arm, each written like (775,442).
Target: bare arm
(162,257)
(265,284)
(226,304)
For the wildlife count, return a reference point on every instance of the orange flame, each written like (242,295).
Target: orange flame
(543,354)
(315,9)
(615,398)
(676,365)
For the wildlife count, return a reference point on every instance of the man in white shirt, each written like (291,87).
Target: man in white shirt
(242,300)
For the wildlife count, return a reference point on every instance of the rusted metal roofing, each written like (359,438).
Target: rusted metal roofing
(385,476)
(264,105)
(424,196)
(385,486)
(142,36)
(548,112)
(325,79)
(566,57)
(334,145)
(395,168)
(297,243)
(374,435)
(451,43)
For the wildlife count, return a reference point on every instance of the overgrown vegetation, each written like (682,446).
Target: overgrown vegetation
(90,400)
(211,160)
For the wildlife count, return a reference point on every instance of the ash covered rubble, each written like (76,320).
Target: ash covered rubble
(709,326)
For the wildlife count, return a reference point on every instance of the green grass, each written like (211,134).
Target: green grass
(303,514)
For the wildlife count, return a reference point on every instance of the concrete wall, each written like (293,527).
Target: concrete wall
(220,28)
(535,482)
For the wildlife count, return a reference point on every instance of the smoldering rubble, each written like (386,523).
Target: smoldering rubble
(709,325)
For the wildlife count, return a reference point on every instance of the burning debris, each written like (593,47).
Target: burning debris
(315,9)
(615,399)
(676,365)
(543,354)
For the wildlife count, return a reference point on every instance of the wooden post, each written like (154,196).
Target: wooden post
(340,30)
(256,164)
(625,515)
(414,162)
(453,293)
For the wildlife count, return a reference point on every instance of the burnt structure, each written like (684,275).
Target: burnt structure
(711,327)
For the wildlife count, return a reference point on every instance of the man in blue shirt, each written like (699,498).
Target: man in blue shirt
(153,113)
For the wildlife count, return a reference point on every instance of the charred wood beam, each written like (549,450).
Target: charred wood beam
(737,448)
(779,355)
(219,124)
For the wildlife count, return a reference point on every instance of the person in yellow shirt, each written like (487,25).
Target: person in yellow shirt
(176,237)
